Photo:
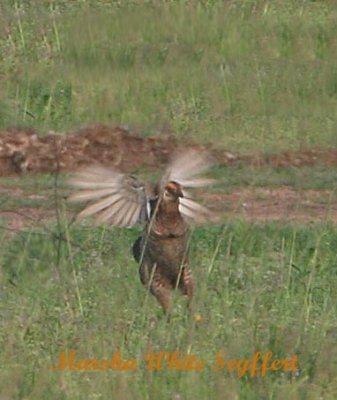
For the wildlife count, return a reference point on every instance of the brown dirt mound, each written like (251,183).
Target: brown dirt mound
(304,158)
(25,151)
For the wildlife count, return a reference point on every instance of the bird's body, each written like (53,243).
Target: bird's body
(166,211)
(162,252)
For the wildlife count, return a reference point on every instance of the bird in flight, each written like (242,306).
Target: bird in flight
(166,210)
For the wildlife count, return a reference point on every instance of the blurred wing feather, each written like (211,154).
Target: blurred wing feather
(113,197)
(194,212)
(185,166)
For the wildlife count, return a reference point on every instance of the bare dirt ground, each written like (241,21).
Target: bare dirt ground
(27,152)
(279,204)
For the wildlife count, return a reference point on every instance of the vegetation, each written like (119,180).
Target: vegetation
(260,288)
(248,76)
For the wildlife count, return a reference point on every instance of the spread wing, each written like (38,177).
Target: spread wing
(113,197)
(195,213)
(185,169)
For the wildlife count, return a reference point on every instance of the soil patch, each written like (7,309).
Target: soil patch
(26,151)
(278,204)
(253,204)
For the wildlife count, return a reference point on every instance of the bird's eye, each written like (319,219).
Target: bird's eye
(168,194)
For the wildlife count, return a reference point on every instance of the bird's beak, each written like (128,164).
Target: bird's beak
(180,192)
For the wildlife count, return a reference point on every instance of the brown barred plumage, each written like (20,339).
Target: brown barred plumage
(167,211)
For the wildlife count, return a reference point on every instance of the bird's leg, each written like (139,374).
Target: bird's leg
(164,296)
(188,286)
(158,286)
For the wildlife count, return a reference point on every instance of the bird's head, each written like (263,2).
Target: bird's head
(172,191)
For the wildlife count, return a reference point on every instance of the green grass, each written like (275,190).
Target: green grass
(260,288)
(28,191)
(38,191)
(305,178)
(22,190)
(250,75)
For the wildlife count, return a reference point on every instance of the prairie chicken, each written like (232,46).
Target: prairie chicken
(166,210)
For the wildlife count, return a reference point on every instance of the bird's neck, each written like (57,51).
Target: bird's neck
(168,222)
(169,208)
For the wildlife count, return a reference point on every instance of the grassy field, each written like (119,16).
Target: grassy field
(260,288)
(248,76)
